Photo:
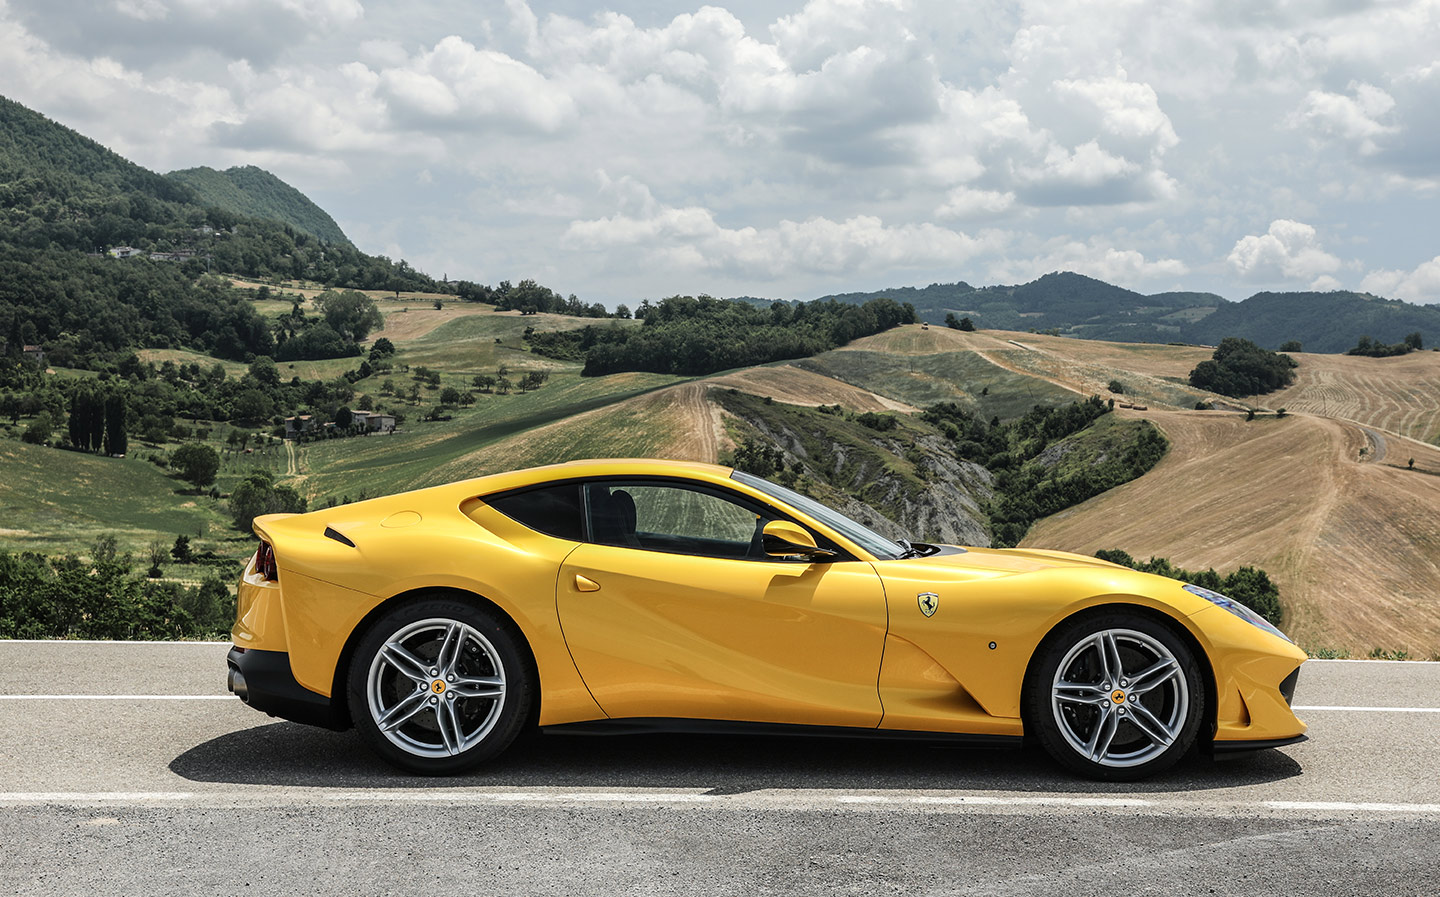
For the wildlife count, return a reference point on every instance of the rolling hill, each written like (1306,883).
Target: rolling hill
(1084,307)
(256,193)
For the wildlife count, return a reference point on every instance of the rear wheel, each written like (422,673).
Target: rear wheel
(1116,696)
(438,686)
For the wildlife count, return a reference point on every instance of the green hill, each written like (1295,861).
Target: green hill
(256,193)
(66,202)
(1322,322)
(1075,305)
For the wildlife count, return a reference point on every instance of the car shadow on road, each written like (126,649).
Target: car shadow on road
(291,754)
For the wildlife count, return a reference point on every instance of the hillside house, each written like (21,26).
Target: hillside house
(179,255)
(124,252)
(372,421)
(379,423)
(300,423)
(35,354)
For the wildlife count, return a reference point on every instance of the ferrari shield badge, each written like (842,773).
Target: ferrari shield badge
(929,603)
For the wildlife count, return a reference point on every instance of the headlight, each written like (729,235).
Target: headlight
(1236,608)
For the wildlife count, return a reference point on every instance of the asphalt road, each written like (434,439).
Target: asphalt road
(124,768)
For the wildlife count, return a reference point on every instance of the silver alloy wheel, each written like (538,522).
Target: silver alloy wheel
(1120,698)
(436,688)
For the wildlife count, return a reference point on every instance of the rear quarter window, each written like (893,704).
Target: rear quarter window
(552,510)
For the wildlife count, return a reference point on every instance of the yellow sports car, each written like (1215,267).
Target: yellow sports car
(649,594)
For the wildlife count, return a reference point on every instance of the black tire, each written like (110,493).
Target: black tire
(453,712)
(1109,727)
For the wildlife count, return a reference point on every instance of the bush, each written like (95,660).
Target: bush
(1117,387)
(880,422)
(258,495)
(759,458)
(65,597)
(1241,368)
(1250,586)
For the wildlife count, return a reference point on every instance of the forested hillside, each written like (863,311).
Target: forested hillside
(65,201)
(1071,304)
(256,193)
(687,335)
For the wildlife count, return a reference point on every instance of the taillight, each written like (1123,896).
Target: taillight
(265,562)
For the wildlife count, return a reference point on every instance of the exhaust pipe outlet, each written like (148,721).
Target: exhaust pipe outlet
(236,683)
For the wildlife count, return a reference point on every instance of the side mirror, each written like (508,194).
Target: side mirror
(783,539)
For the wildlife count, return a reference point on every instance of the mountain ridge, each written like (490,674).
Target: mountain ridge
(1072,304)
(257,193)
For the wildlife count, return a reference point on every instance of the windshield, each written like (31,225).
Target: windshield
(863,536)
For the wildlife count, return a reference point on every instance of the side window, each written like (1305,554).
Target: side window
(552,510)
(661,517)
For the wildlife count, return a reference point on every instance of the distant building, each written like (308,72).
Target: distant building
(205,230)
(35,354)
(123,252)
(179,255)
(373,421)
(300,423)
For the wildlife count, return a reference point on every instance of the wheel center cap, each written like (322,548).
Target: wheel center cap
(1117,696)
(438,686)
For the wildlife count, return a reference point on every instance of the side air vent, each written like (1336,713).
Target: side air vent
(332,533)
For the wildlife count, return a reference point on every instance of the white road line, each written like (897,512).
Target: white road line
(1345,709)
(82,641)
(117,698)
(62,797)
(1343,806)
(787,800)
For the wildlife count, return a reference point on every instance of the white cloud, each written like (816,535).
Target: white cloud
(145,34)
(1094,258)
(963,202)
(1420,285)
(805,146)
(1350,118)
(455,83)
(689,239)
(1288,251)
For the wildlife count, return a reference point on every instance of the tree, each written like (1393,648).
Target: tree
(503,386)
(350,313)
(381,349)
(763,459)
(197,464)
(1293,345)
(38,433)
(117,440)
(252,406)
(483,382)
(449,396)
(264,371)
(87,418)
(344,418)
(258,495)
(157,553)
(1117,387)
(181,550)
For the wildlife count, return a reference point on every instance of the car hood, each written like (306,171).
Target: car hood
(989,563)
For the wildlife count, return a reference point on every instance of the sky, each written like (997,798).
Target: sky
(644,148)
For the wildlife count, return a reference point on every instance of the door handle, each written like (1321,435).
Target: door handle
(586,584)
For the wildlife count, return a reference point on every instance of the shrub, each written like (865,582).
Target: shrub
(1250,586)
(1241,368)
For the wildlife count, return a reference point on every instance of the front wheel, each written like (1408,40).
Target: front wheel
(1116,696)
(438,686)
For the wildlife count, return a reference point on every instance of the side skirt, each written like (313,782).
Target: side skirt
(664,725)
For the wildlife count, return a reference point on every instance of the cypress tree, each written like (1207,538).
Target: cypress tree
(116,440)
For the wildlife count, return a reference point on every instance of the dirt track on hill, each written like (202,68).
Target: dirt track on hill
(1354,546)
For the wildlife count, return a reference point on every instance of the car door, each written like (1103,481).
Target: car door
(671,610)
